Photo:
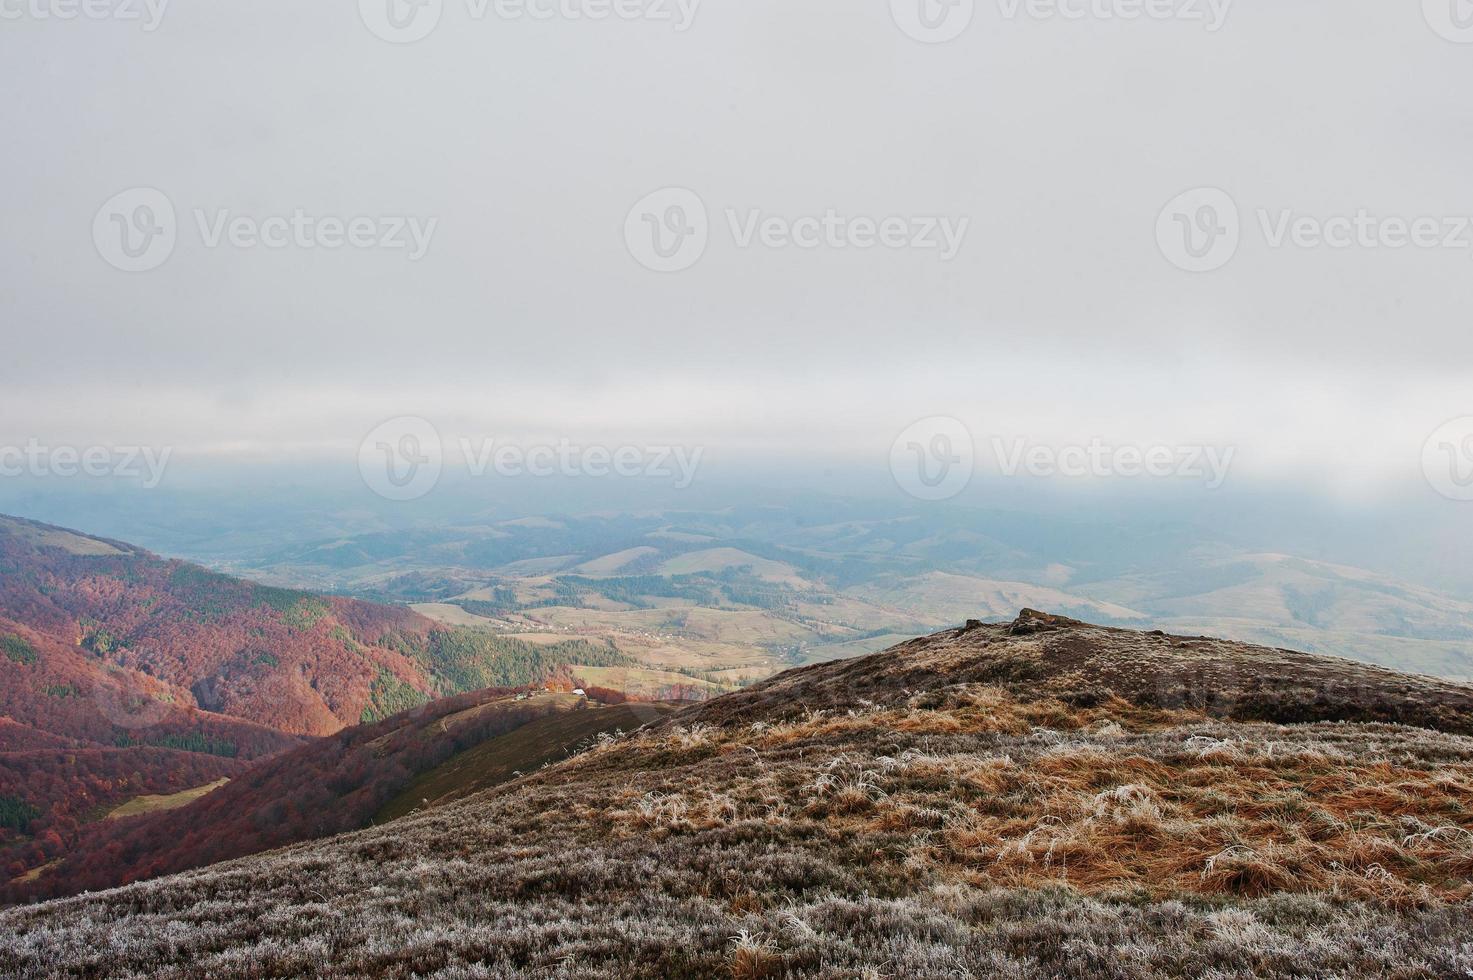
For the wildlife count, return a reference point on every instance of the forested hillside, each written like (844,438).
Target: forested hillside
(123,674)
(333,785)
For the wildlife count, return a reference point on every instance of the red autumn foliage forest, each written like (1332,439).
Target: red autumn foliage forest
(125,674)
(333,785)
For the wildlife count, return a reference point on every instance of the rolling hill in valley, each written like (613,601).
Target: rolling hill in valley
(748,591)
(128,677)
(1039,797)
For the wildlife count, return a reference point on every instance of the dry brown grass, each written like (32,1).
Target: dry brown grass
(954,826)
(1106,800)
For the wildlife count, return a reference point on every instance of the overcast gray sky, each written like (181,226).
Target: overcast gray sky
(1058,141)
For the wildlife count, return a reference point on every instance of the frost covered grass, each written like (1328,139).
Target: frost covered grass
(952,828)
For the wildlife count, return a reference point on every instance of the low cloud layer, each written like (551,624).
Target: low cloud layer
(473,202)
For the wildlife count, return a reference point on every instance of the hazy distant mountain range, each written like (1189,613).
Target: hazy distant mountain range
(799,585)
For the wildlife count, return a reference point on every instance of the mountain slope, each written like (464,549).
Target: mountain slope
(60,693)
(296,662)
(549,738)
(1040,798)
(333,785)
(123,674)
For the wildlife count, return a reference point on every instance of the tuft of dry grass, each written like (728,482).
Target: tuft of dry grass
(754,958)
